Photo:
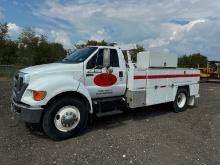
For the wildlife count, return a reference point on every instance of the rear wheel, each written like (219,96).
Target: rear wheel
(181,100)
(66,117)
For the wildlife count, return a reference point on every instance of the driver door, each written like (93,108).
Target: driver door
(103,75)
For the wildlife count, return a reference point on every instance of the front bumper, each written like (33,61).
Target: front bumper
(27,113)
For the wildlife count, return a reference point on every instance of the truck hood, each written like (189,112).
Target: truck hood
(53,67)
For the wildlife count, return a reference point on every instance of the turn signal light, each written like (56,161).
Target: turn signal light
(39,95)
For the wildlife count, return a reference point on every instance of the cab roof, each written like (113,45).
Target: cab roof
(110,47)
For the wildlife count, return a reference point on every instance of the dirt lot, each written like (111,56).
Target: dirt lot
(152,135)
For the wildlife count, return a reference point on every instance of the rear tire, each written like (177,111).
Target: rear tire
(181,100)
(65,118)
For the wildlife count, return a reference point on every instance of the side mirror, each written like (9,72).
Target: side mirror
(109,69)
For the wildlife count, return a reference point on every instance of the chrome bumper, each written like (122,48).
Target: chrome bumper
(27,113)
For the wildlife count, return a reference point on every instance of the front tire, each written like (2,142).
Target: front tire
(181,100)
(65,118)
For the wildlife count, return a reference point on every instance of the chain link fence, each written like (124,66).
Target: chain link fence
(8,70)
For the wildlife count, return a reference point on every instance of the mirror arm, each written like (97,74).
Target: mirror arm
(129,59)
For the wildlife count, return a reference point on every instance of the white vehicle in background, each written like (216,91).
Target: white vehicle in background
(97,79)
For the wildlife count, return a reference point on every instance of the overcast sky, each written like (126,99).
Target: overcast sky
(177,26)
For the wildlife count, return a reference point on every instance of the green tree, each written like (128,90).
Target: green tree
(49,52)
(3,37)
(198,59)
(134,53)
(3,31)
(35,49)
(9,53)
(28,45)
(91,43)
(57,52)
(183,61)
(192,61)
(29,49)
(8,48)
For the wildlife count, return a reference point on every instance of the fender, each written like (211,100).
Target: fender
(57,85)
(53,85)
(82,90)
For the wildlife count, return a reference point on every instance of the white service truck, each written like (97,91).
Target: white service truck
(62,95)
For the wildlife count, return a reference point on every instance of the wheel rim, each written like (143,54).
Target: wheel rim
(67,118)
(181,100)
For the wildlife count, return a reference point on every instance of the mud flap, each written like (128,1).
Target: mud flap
(191,101)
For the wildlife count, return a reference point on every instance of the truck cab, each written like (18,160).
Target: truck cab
(61,96)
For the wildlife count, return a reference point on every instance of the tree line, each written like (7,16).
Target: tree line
(32,49)
(28,49)
(192,61)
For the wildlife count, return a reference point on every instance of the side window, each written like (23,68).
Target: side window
(99,62)
(96,61)
(114,62)
(91,63)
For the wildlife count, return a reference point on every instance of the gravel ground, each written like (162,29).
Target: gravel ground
(152,135)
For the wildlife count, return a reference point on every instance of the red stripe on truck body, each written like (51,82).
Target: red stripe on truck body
(140,77)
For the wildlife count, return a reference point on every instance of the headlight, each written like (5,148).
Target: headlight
(26,77)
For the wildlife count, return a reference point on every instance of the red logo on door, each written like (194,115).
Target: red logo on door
(105,79)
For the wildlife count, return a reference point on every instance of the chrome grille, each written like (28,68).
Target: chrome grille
(18,82)
(18,87)
(15,80)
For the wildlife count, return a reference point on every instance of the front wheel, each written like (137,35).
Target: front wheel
(66,117)
(181,100)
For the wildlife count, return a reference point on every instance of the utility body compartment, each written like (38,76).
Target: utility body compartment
(152,60)
(159,85)
(155,80)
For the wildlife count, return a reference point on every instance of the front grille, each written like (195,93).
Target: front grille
(18,87)
(15,80)
(18,82)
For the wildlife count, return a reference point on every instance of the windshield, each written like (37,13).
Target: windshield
(79,55)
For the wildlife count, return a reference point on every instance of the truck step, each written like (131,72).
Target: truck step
(109,113)
(108,104)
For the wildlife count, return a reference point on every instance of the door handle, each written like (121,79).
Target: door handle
(120,73)
(89,74)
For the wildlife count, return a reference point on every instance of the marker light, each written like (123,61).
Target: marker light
(39,95)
